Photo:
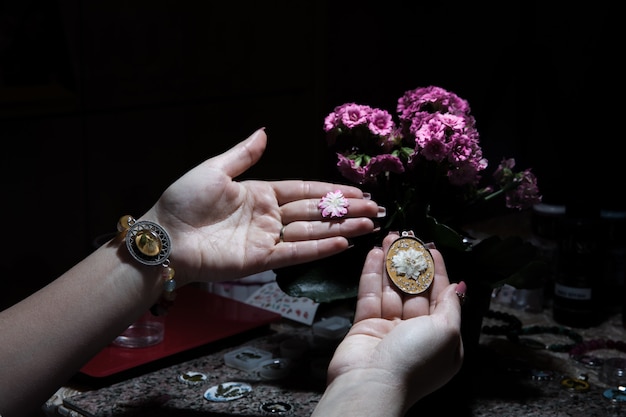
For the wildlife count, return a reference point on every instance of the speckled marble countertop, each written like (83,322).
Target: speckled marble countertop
(161,392)
(513,380)
(500,383)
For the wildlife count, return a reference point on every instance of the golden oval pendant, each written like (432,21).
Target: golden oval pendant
(410,265)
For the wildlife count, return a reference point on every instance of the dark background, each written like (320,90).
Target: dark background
(104,104)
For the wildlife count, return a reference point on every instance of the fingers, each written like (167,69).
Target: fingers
(242,156)
(392,298)
(307,209)
(376,287)
(303,220)
(424,303)
(449,306)
(348,228)
(301,242)
(294,190)
(290,253)
(370,287)
(441,280)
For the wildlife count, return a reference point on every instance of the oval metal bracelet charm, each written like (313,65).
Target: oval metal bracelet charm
(148,243)
(410,264)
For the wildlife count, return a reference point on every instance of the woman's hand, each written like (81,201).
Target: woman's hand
(401,347)
(223,229)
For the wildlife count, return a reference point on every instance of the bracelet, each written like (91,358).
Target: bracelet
(556,330)
(513,324)
(579,352)
(149,244)
(513,330)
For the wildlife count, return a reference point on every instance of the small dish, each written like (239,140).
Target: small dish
(246,358)
(275,368)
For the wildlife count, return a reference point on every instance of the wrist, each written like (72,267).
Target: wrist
(140,282)
(359,393)
(150,245)
(179,241)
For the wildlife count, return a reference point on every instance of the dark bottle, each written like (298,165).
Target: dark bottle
(545,223)
(577,300)
(614,251)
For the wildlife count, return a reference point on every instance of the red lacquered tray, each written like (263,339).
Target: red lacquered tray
(198,317)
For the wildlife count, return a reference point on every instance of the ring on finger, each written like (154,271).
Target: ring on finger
(281,235)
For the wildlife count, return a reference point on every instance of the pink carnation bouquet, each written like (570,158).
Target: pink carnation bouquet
(431,159)
(427,168)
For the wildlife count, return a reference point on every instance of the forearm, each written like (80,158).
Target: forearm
(358,394)
(55,331)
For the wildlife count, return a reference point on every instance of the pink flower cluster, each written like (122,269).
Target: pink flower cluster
(435,127)
(520,188)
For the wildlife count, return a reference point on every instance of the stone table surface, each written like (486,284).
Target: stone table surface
(511,379)
(504,379)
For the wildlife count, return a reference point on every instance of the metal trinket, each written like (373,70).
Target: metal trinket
(410,264)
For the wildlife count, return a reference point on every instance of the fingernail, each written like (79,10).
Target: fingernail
(430,245)
(376,229)
(382,212)
(461,288)
(367,196)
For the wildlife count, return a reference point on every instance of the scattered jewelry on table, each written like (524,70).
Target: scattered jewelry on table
(513,324)
(579,352)
(616,395)
(514,331)
(274,368)
(192,378)
(410,264)
(536,344)
(541,375)
(579,384)
(227,391)
(276,408)
(613,372)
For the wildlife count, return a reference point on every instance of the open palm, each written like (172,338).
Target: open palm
(226,229)
(399,338)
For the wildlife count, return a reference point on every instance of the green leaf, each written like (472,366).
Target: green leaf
(330,279)
(444,236)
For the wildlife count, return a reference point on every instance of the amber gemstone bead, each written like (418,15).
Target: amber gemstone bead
(148,243)
(125,222)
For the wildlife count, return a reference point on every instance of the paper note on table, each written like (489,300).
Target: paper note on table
(271,297)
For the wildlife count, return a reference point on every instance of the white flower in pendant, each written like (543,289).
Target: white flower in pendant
(410,263)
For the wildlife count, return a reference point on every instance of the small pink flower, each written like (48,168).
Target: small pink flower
(380,122)
(525,193)
(351,170)
(334,204)
(354,115)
